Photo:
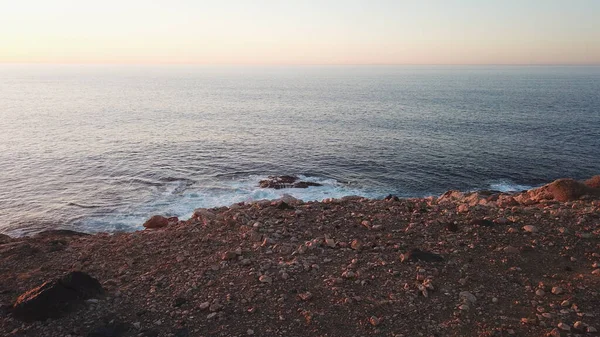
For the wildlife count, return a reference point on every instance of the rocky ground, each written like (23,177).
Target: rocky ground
(479,264)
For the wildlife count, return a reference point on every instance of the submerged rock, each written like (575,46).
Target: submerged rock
(54,298)
(279,182)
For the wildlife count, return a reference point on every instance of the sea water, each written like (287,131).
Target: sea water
(102,147)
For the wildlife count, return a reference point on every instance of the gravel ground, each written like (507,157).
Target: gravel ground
(486,264)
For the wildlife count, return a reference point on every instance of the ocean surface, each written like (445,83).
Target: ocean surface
(102,148)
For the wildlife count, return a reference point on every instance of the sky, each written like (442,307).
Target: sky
(301,31)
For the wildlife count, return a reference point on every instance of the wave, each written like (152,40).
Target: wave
(508,186)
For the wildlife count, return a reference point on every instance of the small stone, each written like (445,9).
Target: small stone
(204,305)
(137,325)
(591,329)
(565,303)
(554,333)
(511,250)
(250,332)
(557,290)
(596,272)
(494,300)
(540,292)
(467,296)
(229,255)
(265,279)
(211,315)
(330,242)
(305,296)
(356,245)
(579,325)
(464,307)
(530,228)
(564,326)
(375,321)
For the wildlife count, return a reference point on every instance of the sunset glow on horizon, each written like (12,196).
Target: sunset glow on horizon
(301,32)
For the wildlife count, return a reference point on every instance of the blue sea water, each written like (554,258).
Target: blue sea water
(101,148)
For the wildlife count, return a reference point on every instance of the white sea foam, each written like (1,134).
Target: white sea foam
(176,200)
(508,186)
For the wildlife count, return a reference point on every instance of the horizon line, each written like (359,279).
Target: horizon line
(294,64)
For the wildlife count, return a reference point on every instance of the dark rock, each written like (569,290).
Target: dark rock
(181,332)
(156,221)
(452,227)
(391,197)
(149,333)
(279,182)
(179,301)
(5,238)
(173,220)
(284,206)
(113,329)
(420,255)
(482,223)
(54,298)
(306,184)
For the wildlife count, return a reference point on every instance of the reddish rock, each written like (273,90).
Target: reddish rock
(561,190)
(593,182)
(157,221)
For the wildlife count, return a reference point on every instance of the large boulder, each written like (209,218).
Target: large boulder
(561,190)
(156,221)
(54,298)
(4,238)
(279,182)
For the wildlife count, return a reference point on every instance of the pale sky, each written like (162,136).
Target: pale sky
(301,31)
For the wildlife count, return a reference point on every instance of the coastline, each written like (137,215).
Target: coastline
(501,264)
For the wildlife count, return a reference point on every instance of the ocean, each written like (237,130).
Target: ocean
(103,147)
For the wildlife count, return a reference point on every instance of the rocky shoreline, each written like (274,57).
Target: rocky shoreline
(463,264)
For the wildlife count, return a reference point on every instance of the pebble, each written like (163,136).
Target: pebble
(330,243)
(211,315)
(596,272)
(494,300)
(265,279)
(579,325)
(530,228)
(356,245)
(557,290)
(565,303)
(564,326)
(511,250)
(204,305)
(591,329)
(554,333)
(540,292)
(375,321)
(250,332)
(467,296)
